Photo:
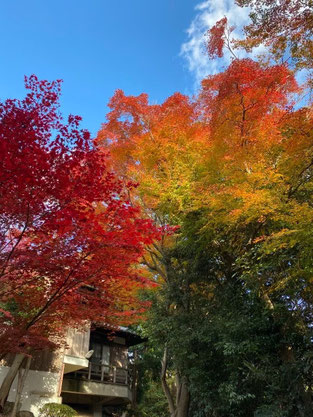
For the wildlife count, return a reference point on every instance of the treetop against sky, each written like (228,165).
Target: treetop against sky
(100,46)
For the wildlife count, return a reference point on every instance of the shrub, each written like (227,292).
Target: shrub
(57,410)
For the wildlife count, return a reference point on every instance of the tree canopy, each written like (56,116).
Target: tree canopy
(232,168)
(70,238)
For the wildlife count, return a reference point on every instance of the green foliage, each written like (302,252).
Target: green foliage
(57,410)
(152,402)
(234,350)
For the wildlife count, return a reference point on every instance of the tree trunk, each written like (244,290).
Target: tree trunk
(9,378)
(22,374)
(182,398)
(180,407)
(165,387)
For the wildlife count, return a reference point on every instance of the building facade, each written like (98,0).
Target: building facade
(94,374)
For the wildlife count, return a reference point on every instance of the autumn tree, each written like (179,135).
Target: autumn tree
(283,30)
(70,238)
(286,27)
(159,146)
(252,193)
(233,170)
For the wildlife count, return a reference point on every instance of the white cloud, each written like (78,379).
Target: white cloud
(207,14)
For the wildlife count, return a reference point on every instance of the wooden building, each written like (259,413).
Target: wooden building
(93,374)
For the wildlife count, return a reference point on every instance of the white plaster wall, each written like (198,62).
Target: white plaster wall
(40,388)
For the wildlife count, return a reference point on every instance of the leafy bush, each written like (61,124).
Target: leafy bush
(57,410)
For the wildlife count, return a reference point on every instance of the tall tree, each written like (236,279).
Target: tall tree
(158,146)
(233,169)
(227,169)
(69,236)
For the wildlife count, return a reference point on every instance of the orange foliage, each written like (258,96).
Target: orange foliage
(238,152)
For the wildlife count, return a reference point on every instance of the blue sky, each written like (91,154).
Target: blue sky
(97,46)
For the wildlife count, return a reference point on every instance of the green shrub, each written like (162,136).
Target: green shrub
(57,410)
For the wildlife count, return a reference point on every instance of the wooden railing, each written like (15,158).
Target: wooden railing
(99,372)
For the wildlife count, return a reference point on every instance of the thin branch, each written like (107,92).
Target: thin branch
(17,242)
(55,294)
(292,190)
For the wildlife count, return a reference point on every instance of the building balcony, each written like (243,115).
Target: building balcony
(96,368)
(106,382)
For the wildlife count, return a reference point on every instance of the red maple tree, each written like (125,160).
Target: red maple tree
(69,237)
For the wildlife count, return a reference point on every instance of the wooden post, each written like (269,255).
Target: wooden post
(134,379)
(102,371)
(89,370)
